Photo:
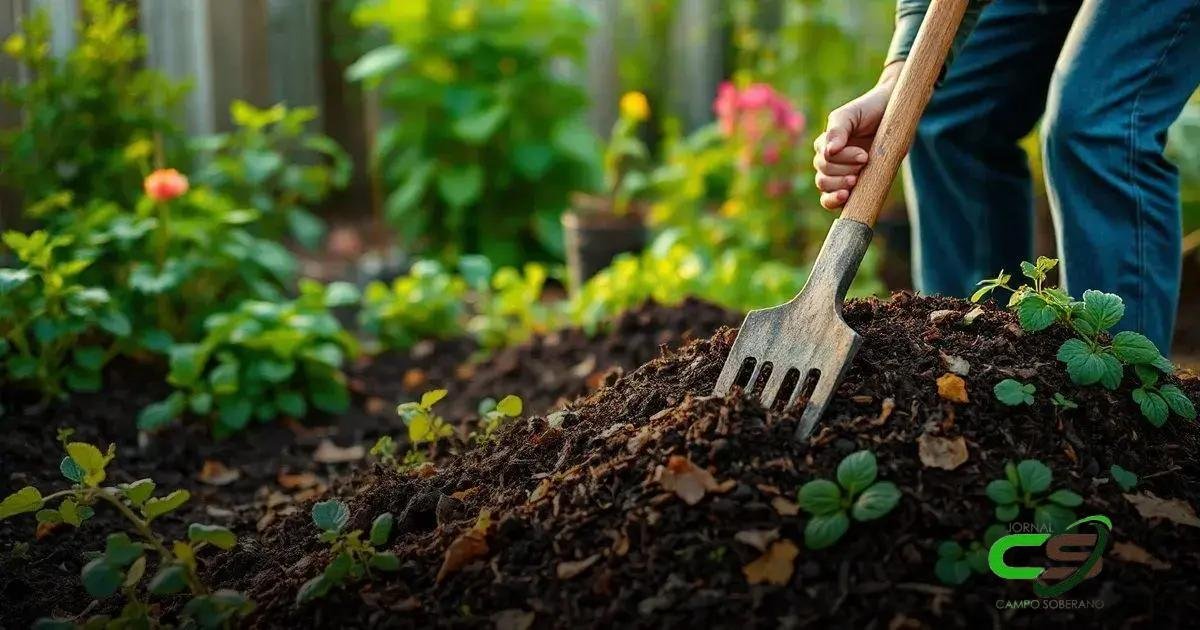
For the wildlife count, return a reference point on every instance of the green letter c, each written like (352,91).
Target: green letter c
(1000,547)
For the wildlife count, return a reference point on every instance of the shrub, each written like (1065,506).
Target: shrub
(55,332)
(125,560)
(260,360)
(489,138)
(273,164)
(96,116)
(426,303)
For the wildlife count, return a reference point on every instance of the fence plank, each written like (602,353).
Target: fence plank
(696,60)
(293,51)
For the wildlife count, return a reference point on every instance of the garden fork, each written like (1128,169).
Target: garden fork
(806,341)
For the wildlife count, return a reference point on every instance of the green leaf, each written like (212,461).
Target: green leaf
(71,513)
(1006,513)
(381,529)
(378,62)
(1063,402)
(1134,348)
(224,378)
(1036,314)
(291,403)
(71,470)
(120,550)
(305,227)
(1125,479)
(1153,406)
(159,414)
(951,571)
(1013,393)
(138,491)
(857,471)
(234,413)
(48,516)
(1113,371)
(1034,475)
(214,535)
(315,588)
(115,323)
(431,398)
(819,497)
(162,505)
(89,357)
(90,460)
(825,530)
(1052,516)
(1084,365)
(1002,492)
(1178,402)
(338,294)
(509,406)
(1031,271)
(1065,498)
(385,561)
(169,580)
(460,186)
(101,579)
(876,501)
(950,549)
(477,128)
(1101,310)
(27,499)
(331,515)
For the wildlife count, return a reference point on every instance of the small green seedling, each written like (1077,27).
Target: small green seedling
(125,562)
(1127,480)
(1027,485)
(1088,358)
(425,426)
(956,564)
(385,450)
(493,415)
(1014,393)
(353,558)
(855,494)
(1064,403)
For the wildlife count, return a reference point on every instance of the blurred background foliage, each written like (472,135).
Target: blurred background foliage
(421,177)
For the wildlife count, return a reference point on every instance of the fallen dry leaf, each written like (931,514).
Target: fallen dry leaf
(377,406)
(775,566)
(297,481)
(463,495)
(972,315)
(469,546)
(953,388)
(958,365)
(214,473)
(1176,510)
(540,491)
(413,379)
(938,317)
(513,619)
(45,529)
(940,452)
(1130,552)
(425,470)
(785,507)
(687,480)
(757,538)
(329,453)
(885,411)
(568,570)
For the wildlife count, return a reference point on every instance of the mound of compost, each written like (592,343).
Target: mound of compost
(544,371)
(583,519)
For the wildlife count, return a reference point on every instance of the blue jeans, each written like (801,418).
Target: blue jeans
(1109,76)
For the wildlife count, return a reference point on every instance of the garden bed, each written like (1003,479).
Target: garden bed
(586,527)
(268,471)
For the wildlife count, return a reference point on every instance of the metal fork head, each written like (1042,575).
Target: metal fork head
(807,334)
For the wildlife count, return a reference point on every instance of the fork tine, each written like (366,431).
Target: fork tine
(826,384)
(774,382)
(729,374)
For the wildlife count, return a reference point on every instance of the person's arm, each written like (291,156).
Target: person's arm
(844,149)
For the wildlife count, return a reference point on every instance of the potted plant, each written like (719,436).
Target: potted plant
(599,227)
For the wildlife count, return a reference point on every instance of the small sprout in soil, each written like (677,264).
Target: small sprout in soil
(493,415)
(1027,485)
(425,426)
(1088,359)
(955,565)
(353,557)
(1127,480)
(1013,393)
(385,449)
(125,562)
(1064,403)
(856,494)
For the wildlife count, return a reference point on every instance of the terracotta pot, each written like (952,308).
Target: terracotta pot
(595,235)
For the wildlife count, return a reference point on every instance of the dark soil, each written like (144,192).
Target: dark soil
(587,491)
(544,371)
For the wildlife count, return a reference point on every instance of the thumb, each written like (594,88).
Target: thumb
(837,134)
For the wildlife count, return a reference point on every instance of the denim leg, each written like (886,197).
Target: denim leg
(1125,72)
(970,197)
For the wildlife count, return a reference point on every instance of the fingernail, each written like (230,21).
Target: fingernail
(861,159)
(851,180)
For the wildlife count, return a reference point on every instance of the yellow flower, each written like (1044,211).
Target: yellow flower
(635,106)
(15,45)
(733,208)
(463,18)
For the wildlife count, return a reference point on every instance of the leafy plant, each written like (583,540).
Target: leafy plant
(56,333)
(1014,393)
(1027,486)
(385,450)
(260,360)
(510,307)
(1090,357)
(1125,479)
(352,557)
(626,152)
(272,163)
(426,303)
(424,425)
(492,137)
(125,561)
(96,115)
(856,494)
(955,565)
(1064,403)
(493,415)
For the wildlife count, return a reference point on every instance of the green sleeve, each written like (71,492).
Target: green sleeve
(910,13)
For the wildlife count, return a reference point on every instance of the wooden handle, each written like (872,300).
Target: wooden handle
(905,106)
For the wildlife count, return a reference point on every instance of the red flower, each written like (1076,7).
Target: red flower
(165,184)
